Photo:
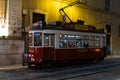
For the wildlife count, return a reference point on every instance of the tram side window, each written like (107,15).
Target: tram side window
(52,40)
(71,42)
(49,39)
(97,41)
(46,40)
(85,41)
(63,41)
(91,41)
(78,40)
(37,39)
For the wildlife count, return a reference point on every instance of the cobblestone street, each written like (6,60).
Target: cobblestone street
(109,69)
(108,75)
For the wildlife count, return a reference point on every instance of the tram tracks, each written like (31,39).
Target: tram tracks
(78,72)
(92,70)
(65,73)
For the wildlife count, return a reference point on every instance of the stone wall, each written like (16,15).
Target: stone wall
(14,18)
(11,51)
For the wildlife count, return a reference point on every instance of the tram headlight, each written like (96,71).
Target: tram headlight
(31,55)
(97,50)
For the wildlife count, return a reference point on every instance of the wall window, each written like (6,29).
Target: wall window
(107,4)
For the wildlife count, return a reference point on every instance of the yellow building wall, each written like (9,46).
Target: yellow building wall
(2,8)
(51,8)
(92,16)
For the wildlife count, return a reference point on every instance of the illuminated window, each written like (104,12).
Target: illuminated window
(63,41)
(78,40)
(97,41)
(85,41)
(71,42)
(46,40)
(91,41)
(49,40)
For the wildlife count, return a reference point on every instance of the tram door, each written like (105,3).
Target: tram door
(48,51)
(49,40)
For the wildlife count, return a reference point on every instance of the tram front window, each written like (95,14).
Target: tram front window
(37,39)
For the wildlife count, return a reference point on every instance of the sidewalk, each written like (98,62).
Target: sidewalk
(112,56)
(18,66)
(8,67)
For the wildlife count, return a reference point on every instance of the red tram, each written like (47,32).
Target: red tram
(59,45)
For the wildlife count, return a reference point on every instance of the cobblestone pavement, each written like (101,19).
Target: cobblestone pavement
(18,72)
(108,75)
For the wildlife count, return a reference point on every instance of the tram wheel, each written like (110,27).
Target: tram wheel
(29,65)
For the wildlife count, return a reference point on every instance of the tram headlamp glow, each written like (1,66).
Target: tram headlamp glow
(30,55)
(97,50)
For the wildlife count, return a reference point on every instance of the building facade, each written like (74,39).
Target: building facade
(17,15)
(98,13)
(11,43)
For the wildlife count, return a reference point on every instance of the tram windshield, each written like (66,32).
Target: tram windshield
(37,39)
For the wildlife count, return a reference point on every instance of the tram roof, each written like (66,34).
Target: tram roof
(51,27)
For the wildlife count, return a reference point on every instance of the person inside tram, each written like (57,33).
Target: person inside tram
(37,39)
(85,44)
(79,44)
(60,44)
